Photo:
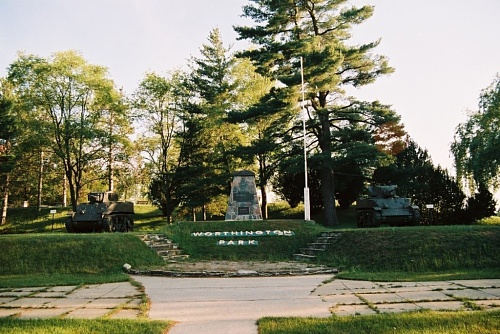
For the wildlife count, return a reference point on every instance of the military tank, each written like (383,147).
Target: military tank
(102,213)
(383,206)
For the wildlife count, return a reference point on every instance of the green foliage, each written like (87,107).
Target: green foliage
(416,249)
(476,141)
(480,205)
(82,326)
(417,178)
(338,126)
(157,103)
(270,248)
(65,102)
(428,322)
(86,254)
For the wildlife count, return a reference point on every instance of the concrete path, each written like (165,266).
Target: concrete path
(113,300)
(233,305)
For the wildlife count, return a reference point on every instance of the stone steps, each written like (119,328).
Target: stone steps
(321,244)
(169,251)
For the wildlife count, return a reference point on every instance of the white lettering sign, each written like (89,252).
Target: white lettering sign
(286,233)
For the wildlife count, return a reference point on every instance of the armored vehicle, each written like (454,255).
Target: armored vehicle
(383,206)
(103,212)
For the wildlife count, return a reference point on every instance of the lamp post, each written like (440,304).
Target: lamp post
(307,206)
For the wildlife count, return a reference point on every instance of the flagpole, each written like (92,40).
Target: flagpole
(307,210)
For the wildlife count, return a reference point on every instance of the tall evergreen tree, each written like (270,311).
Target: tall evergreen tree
(212,160)
(317,31)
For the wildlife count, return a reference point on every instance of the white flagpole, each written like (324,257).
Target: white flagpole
(307,206)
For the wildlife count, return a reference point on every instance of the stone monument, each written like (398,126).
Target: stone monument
(243,201)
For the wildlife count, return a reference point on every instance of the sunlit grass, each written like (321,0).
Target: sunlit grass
(80,326)
(425,322)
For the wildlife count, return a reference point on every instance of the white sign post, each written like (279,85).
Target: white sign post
(53,212)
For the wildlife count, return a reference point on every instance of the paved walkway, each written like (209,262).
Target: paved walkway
(233,305)
(220,305)
(113,300)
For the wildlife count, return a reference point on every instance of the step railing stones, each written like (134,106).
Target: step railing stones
(319,245)
(236,273)
(168,250)
(171,253)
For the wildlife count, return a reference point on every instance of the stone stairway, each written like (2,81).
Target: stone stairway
(319,245)
(169,251)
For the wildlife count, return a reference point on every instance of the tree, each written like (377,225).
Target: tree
(219,83)
(8,132)
(159,106)
(67,97)
(417,178)
(267,121)
(476,142)
(480,205)
(317,31)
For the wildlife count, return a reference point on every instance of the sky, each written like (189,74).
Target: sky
(444,51)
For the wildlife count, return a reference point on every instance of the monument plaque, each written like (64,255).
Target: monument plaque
(243,202)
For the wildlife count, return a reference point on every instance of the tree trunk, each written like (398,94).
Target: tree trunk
(40,181)
(327,184)
(263,206)
(64,191)
(5,200)
(328,192)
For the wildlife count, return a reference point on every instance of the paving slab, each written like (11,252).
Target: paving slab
(470,294)
(68,302)
(134,303)
(393,285)
(381,297)
(65,288)
(481,283)
(4,300)
(43,313)
(441,306)
(424,295)
(493,291)
(396,307)
(346,287)
(15,293)
(85,313)
(344,310)
(488,304)
(49,294)
(350,299)
(108,303)
(6,312)
(125,314)
(29,302)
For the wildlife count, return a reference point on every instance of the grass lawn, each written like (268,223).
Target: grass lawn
(37,251)
(81,326)
(424,322)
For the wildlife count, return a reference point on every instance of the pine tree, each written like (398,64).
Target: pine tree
(317,31)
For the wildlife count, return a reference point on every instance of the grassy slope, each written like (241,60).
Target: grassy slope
(390,253)
(61,258)
(32,259)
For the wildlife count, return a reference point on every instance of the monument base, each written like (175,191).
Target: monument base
(243,202)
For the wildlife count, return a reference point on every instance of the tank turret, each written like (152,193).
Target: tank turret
(383,206)
(103,212)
